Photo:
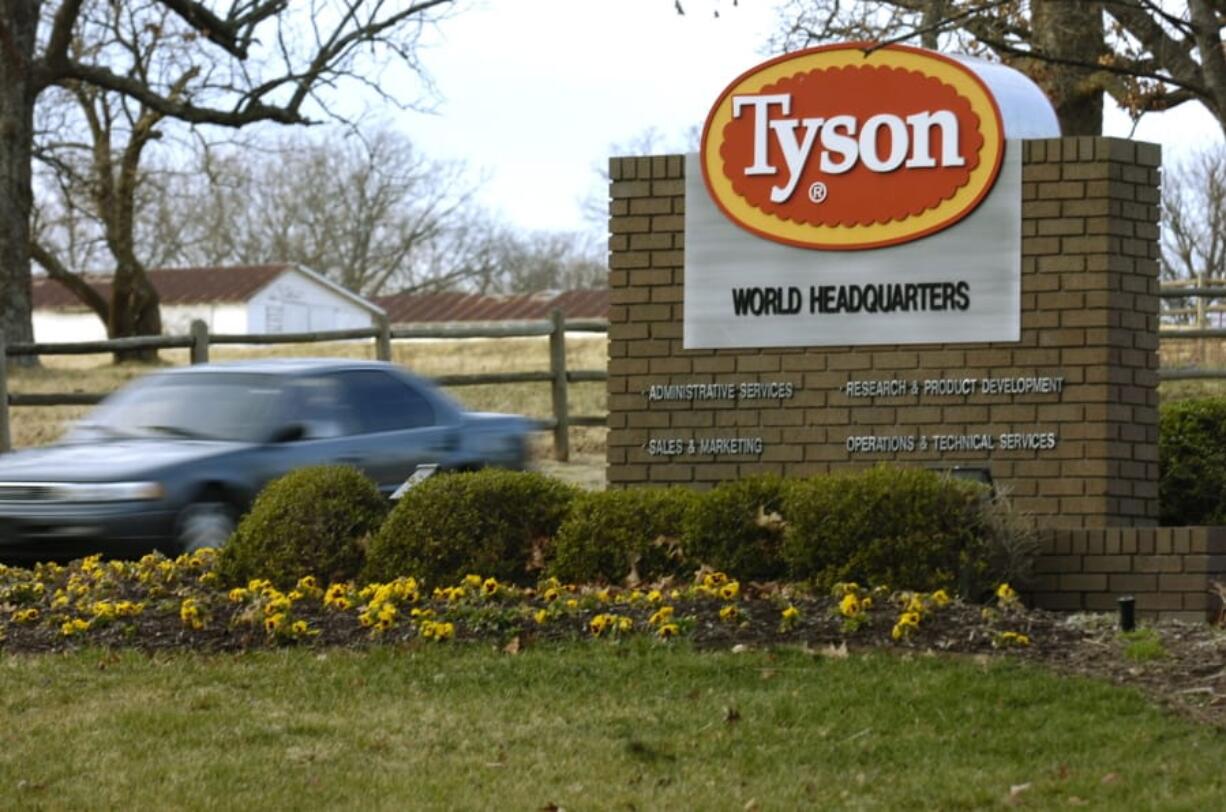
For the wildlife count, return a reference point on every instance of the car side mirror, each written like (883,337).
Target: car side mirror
(288,434)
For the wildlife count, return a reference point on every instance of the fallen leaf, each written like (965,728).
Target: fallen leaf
(740,648)
(1015,793)
(633,579)
(513,647)
(838,652)
(769,520)
(768,673)
(1110,778)
(1062,772)
(536,554)
(671,546)
(1073,800)
(751,805)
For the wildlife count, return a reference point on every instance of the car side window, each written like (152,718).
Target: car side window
(320,406)
(385,403)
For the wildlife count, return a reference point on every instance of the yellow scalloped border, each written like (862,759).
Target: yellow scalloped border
(875,235)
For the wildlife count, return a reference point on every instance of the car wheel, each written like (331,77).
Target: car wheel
(205,524)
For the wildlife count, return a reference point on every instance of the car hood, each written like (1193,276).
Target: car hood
(105,461)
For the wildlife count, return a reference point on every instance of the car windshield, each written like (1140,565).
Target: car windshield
(203,405)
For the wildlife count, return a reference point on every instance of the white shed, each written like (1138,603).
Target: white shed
(256,299)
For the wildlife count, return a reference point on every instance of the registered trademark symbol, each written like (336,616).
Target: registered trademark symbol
(817,192)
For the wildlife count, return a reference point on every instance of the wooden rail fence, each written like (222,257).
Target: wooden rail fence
(200,340)
(1201,290)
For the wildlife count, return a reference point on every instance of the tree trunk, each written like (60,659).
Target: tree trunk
(18,88)
(1070,29)
(135,311)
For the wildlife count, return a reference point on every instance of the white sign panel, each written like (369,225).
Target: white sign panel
(961,284)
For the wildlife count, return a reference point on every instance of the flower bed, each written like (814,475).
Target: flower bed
(158,603)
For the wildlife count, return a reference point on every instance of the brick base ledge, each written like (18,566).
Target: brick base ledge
(1169,570)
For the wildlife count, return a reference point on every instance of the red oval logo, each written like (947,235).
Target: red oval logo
(838,149)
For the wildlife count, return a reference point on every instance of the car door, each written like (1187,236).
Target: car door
(324,425)
(397,427)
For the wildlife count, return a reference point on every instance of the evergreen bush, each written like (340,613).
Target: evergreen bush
(1192,462)
(313,521)
(490,522)
(737,527)
(905,528)
(623,536)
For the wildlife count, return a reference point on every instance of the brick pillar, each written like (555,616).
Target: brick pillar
(1090,294)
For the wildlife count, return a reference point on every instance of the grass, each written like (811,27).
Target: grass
(1143,646)
(585,726)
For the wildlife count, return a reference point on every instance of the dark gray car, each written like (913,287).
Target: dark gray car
(171,461)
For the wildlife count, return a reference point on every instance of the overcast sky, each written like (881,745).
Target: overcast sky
(534,92)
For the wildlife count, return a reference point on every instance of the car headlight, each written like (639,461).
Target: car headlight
(107,491)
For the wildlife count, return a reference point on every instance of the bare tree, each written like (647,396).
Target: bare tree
(1194,226)
(482,253)
(651,141)
(543,260)
(230,64)
(1148,54)
(357,208)
(1060,44)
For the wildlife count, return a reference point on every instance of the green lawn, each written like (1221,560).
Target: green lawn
(583,726)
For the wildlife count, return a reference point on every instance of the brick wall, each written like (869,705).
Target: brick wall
(1169,570)
(1089,315)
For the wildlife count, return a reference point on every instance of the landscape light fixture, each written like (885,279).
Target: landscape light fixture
(1128,613)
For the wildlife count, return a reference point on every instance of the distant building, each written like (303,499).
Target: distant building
(410,308)
(245,300)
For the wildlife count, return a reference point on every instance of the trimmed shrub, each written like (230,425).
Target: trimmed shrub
(1192,462)
(737,527)
(490,522)
(615,536)
(313,521)
(906,528)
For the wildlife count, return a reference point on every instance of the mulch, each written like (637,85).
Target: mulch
(1184,668)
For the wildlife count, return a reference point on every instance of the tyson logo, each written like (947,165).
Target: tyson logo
(834,148)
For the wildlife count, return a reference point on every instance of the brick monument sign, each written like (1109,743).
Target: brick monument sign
(765,320)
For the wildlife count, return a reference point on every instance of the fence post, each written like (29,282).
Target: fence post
(557,366)
(383,341)
(200,342)
(1202,320)
(6,439)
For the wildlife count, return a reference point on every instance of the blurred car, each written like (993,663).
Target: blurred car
(171,461)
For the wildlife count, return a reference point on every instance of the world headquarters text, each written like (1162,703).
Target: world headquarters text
(879,297)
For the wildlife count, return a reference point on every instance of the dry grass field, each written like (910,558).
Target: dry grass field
(33,426)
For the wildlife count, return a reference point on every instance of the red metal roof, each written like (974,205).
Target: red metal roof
(183,286)
(175,286)
(405,308)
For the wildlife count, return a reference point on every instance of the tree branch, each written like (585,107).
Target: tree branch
(55,269)
(224,33)
(1172,55)
(248,113)
(61,35)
